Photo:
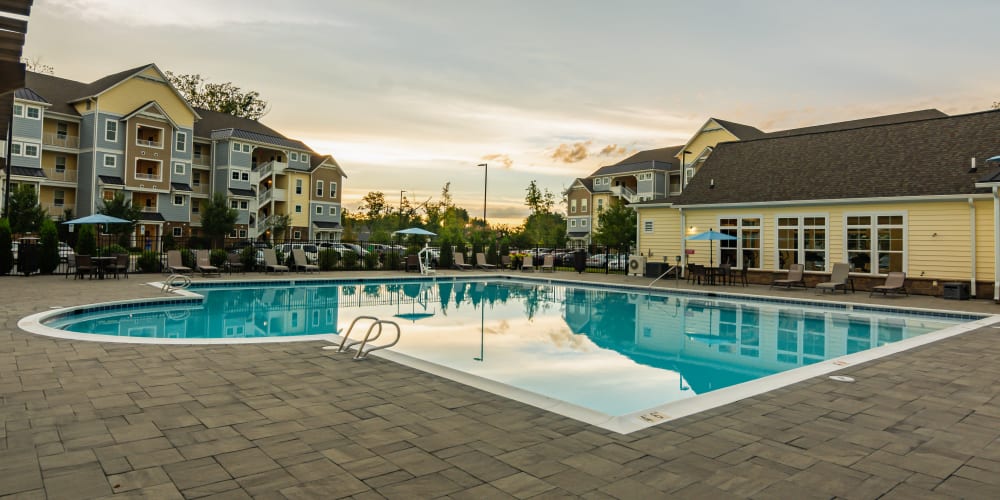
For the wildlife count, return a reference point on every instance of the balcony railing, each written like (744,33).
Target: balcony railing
(267,195)
(147,177)
(55,209)
(624,192)
(66,175)
(151,208)
(149,144)
(201,189)
(201,160)
(61,140)
(276,167)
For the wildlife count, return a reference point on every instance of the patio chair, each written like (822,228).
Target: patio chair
(412,263)
(895,282)
(174,264)
(70,266)
(505,262)
(460,262)
(795,277)
(744,275)
(300,262)
(120,265)
(838,278)
(83,267)
(725,274)
(696,272)
(271,262)
(205,266)
(234,262)
(527,265)
(548,264)
(482,264)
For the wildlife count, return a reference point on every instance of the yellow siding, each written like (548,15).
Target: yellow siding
(128,96)
(938,234)
(301,219)
(707,139)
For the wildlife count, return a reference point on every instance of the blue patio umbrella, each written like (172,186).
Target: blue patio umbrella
(98,219)
(994,158)
(710,235)
(415,230)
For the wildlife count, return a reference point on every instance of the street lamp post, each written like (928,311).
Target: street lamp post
(485,174)
(401,191)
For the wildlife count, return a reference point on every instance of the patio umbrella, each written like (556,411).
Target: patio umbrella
(415,230)
(98,219)
(710,235)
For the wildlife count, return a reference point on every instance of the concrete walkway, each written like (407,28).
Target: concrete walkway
(94,420)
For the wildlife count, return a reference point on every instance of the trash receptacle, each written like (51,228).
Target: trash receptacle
(27,258)
(655,269)
(580,261)
(955,291)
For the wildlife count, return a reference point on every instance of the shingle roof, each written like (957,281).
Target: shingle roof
(111,180)
(578,234)
(216,125)
(914,158)
(249,193)
(26,171)
(744,132)
(922,114)
(151,216)
(97,86)
(586,182)
(665,155)
(180,186)
(326,225)
(29,95)
(55,90)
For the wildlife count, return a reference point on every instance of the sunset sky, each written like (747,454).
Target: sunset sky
(411,95)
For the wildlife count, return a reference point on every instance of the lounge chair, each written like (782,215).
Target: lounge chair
(482,264)
(838,278)
(174,264)
(234,262)
(895,282)
(460,262)
(527,264)
(271,261)
(795,277)
(412,263)
(548,264)
(505,262)
(120,265)
(84,266)
(300,262)
(205,266)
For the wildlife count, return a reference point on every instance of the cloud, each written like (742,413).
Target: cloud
(612,149)
(571,153)
(503,159)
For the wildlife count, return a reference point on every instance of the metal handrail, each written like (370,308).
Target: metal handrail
(170,284)
(346,344)
(362,353)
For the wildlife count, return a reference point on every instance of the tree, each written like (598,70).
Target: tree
(6,251)
(374,206)
(86,241)
(34,64)
(25,214)
(217,219)
(279,224)
(49,258)
(538,201)
(222,97)
(119,207)
(616,226)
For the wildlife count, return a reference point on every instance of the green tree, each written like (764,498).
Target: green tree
(49,259)
(616,226)
(217,219)
(538,201)
(374,206)
(279,224)
(86,241)
(25,214)
(222,97)
(122,208)
(6,252)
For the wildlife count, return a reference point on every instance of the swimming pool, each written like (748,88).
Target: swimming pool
(621,358)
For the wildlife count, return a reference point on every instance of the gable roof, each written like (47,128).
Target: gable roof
(743,132)
(218,125)
(914,158)
(317,160)
(100,85)
(57,91)
(908,116)
(666,155)
(651,159)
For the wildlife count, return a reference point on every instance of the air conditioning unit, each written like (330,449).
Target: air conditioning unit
(636,265)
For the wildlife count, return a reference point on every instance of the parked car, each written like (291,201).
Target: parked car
(311,251)
(356,248)
(65,251)
(338,247)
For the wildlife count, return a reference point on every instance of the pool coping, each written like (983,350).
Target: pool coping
(623,424)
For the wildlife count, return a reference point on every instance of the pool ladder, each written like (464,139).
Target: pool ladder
(175,282)
(346,344)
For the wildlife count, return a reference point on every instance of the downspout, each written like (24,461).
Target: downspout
(996,246)
(93,155)
(972,246)
(684,257)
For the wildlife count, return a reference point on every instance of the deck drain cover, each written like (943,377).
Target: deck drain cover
(841,378)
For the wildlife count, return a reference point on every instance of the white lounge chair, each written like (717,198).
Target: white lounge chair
(271,262)
(482,264)
(300,262)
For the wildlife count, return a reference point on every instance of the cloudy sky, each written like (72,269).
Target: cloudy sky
(411,95)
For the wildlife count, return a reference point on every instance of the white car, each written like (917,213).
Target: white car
(65,251)
(311,251)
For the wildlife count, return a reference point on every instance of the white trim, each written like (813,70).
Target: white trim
(800,250)
(319,189)
(28,116)
(148,144)
(839,201)
(181,169)
(135,173)
(106,130)
(873,225)
(38,150)
(178,141)
(174,200)
(16,113)
(333,189)
(319,210)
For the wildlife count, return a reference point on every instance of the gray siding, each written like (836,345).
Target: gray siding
(325,217)
(222,151)
(27,128)
(243,216)
(27,161)
(240,159)
(173,213)
(85,179)
(185,177)
(188,145)
(87,132)
(117,171)
(645,186)
(102,133)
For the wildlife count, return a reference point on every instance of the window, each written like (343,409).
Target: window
(319,210)
(319,189)
(110,161)
(583,222)
(298,209)
(333,190)
(583,206)
(181,142)
(802,240)
(234,204)
(744,251)
(196,179)
(572,206)
(600,205)
(333,210)
(31,150)
(243,233)
(688,175)
(178,200)
(298,186)
(60,164)
(62,130)
(572,223)
(195,208)
(244,205)
(178,232)
(235,175)
(246,148)
(294,156)
(179,168)
(33,112)
(15,149)
(19,110)
(236,147)
(245,176)
(304,158)
(647,226)
(889,233)
(58,197)
(297,235)
(111,131)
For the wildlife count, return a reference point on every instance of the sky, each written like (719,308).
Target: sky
(409,96)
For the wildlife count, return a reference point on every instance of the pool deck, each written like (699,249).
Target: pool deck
(286,420)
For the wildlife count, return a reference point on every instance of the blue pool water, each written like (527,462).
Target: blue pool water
(608,350)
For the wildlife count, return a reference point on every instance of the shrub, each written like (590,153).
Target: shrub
(113,250)
(350,260)
(86,242)
(218,257)
(371,260)
(328,259)
(447,257)
(148,262)
(187,258)
(6,252)
(248,256)
(49,259)
(395,261)
(197,242)
(169,243)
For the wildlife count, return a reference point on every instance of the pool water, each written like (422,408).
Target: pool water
(603,349)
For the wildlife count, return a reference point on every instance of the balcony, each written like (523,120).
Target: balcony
(66,175)
(201,189)
(149,144)
(201,160)
(624,193)
(55,210)
(147,177)
(61,141)
(150,208)
(270,194)
(275,167)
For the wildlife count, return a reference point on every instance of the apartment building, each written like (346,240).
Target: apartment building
(78,144)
